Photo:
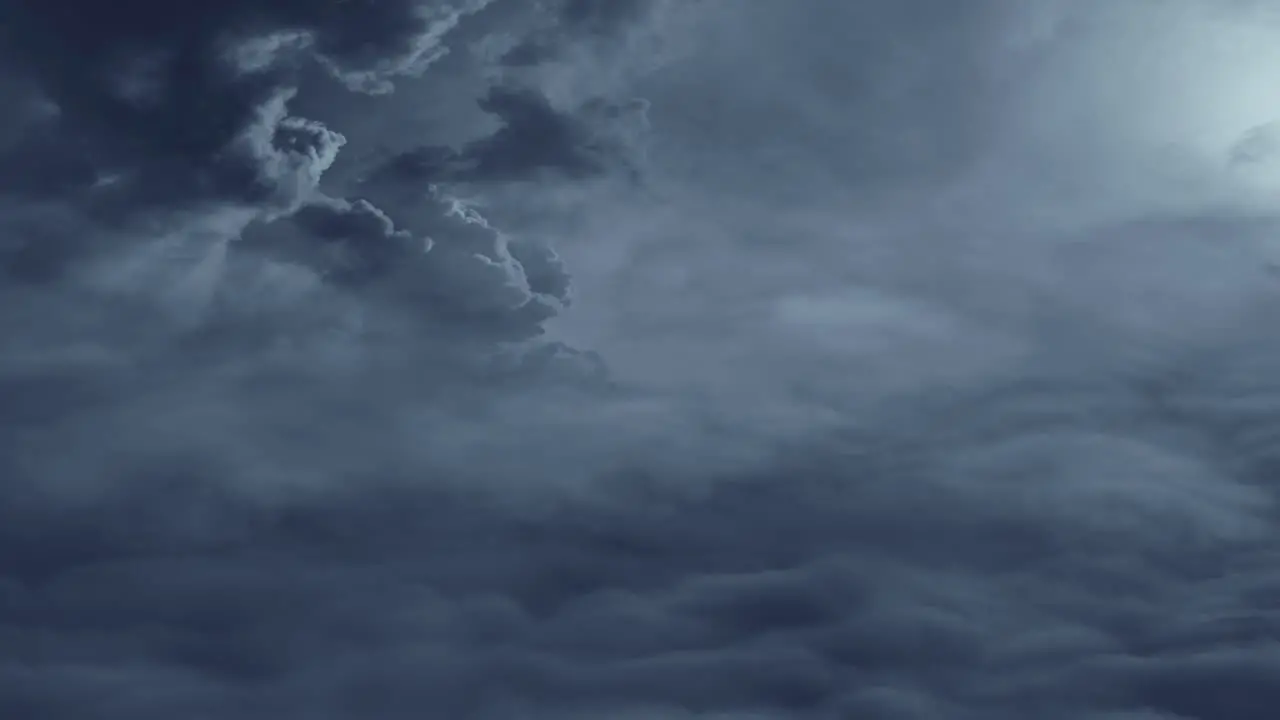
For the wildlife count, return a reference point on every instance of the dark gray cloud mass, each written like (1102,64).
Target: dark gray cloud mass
(928,371)
(534,138)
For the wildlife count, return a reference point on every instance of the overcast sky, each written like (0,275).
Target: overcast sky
(639,359)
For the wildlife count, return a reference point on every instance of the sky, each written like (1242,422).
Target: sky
(639,359)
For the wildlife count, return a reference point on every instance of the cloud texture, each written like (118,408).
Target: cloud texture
(917,360)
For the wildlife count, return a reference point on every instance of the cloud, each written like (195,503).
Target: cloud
(571,21)
(191,104)
(350,243)
(797,592)
(929,374)
(170,116)
(534,138)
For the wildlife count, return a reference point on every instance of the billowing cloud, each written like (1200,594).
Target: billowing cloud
(927,374)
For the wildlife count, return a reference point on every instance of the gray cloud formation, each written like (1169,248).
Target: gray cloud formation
(938,366)
(535,138)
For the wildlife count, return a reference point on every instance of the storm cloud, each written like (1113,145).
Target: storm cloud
(534,138)
(886,360)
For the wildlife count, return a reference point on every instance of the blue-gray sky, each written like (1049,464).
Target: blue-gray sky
(578,360)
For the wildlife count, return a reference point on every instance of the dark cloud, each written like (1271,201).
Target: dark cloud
(534,139)
(809,590)
(164,112)
(276,443)
(190,103)
(357,242)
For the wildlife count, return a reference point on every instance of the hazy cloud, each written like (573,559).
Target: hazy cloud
(926,372)
(534,139)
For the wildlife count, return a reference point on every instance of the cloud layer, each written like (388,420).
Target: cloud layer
(916,360)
